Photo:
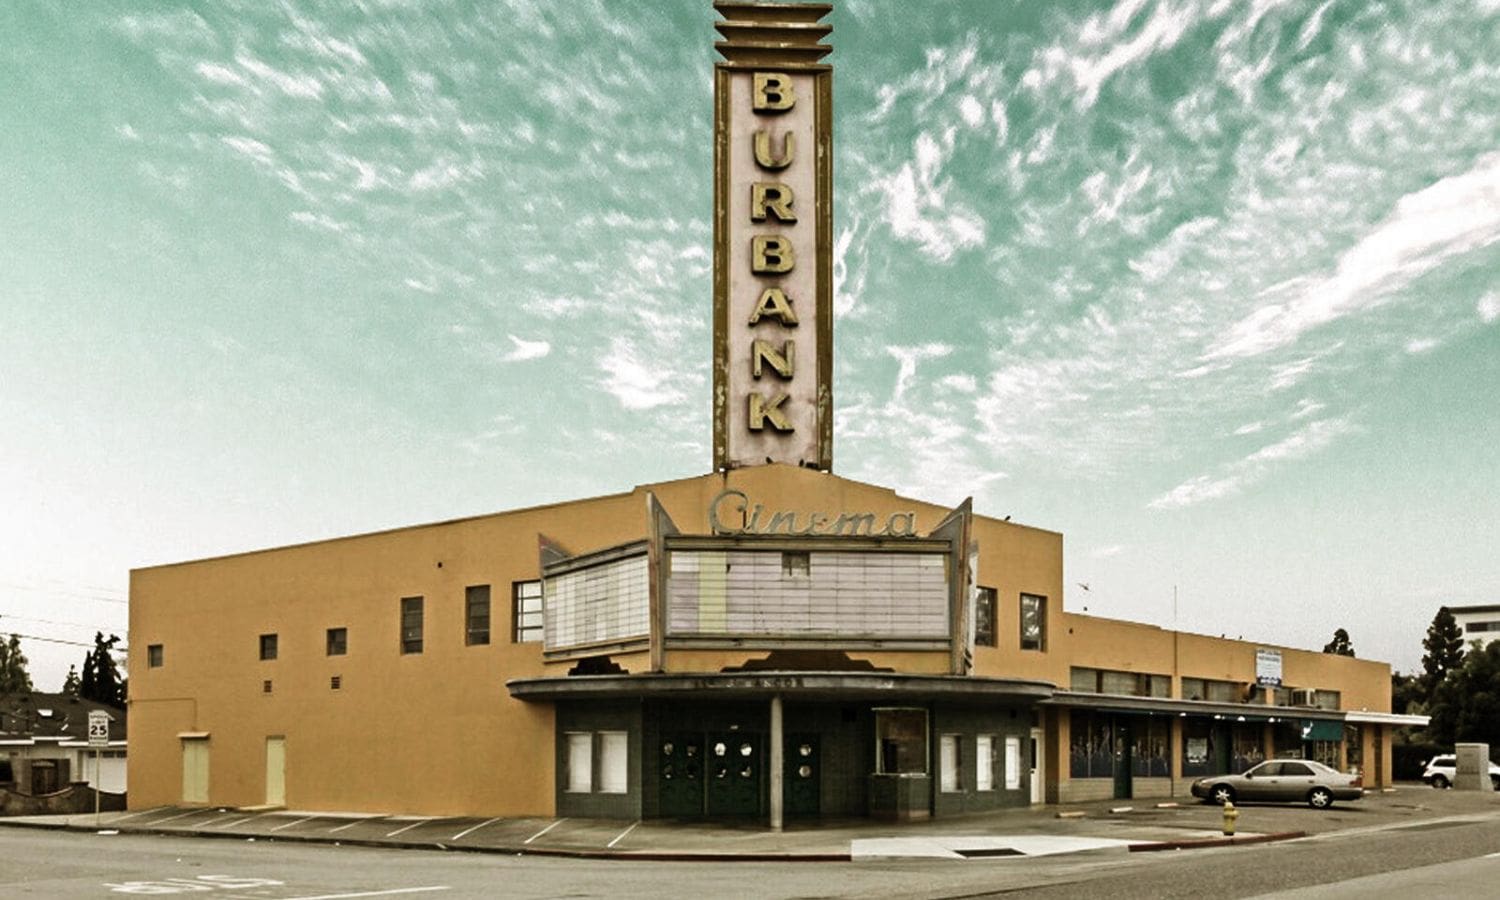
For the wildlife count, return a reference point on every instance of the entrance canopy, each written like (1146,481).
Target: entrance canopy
(809,685)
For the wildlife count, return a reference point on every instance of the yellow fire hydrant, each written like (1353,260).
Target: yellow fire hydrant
(1230,814)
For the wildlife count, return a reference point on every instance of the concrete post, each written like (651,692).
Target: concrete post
(777,764)
(1471,771)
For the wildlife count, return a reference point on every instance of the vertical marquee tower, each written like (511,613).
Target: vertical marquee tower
(773,224)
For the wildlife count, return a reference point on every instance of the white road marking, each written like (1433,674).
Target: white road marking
(350,825)
(544,831)
(415,890)
(475,828)
(142,812)
(191,812)
(236,822)
(621,835)
(948,847)
(421,821)
(293,822)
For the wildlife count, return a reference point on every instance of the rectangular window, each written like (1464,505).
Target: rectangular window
(1084,681)
(901,741)
(526,624)
(948,763)
(1223,691)
(335,682)
(613,762)
(1151,747)
(338,641)
(411,624)
(796,563)
(1194,689)
(1012,763)
(1033,622)
(477,614)
(984,617)
(153,656)
(268,646)
(1326,699)
(984,763)
(1125,683)
(580,762)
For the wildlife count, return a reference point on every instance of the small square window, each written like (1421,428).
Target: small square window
(153,656)
(268,647)
(796,563)
(265,686)
(338,641)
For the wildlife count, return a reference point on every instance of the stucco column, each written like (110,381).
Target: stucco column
(777,764)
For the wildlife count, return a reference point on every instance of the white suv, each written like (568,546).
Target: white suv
(1439,772)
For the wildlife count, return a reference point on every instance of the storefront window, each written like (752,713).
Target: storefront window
(1248,743)
(1354,747)
(901,741)
(1150,755)
(1198,747)
(1090,745)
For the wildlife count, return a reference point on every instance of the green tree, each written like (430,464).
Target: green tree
(1445,649)
(70,684)
(1340,645)
(1465,705)
(100,680)
(13,675)
(1407,696)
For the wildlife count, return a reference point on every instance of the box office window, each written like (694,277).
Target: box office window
(984,763)
(948,761)
(476,614)
(901,741)
(268,646)
(1033,622)
(154,656)
(984,617)
(597,762)
(411,624)
(338,641)
(526,603)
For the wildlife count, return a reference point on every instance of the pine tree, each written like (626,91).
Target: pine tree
(70,684)
(1340,645)
(100,680)
(1445,649)
(13,675)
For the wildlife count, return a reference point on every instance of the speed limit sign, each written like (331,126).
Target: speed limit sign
(98,728)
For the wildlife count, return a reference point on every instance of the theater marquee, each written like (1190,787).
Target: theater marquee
(773,221)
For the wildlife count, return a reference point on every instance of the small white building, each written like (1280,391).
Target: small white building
(1479,623)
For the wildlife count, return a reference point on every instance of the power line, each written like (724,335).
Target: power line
(64,592)
(34,637)
(61,624)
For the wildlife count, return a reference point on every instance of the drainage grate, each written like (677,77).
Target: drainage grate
(989,851)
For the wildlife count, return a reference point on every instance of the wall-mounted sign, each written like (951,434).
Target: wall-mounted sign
(1267,667)
(732,513)
(773,220)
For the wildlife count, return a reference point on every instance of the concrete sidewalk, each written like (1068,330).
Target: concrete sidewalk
(1023,832)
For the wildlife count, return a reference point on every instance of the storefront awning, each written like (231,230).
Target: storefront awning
(874,686)
(1322,730)
(1245,712)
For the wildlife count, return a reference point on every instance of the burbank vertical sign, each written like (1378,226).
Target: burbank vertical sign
(773,220)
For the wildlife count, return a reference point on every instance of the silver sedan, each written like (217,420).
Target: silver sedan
(1287,780)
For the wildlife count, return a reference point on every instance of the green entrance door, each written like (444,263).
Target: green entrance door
(1123,753)
(733,774)
(801,775)
(680,775)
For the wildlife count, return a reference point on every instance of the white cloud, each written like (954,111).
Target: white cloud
(1307,441)
(962,383)
(523,350)
(632,382)
(1250,428)
(908,357)
(1107,552)
(1454,216)
(1421,345)
(919,210)
(1488,307)
(969,108)
(302,86)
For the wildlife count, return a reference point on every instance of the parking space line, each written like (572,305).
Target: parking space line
(294,822)
(388,893)
(621,836)
(349,825)
(235,822)
(544,831)
(139,812)
(191,812)
(421,821)
(475,828)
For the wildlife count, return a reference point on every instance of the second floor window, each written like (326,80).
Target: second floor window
(411,624)
(338,641)
(268,646)
(984,617)
(527,623)
(477,614)
(1033,622)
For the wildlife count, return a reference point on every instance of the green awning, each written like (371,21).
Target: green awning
(1322,730)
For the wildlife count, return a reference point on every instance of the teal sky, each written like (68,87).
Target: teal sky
(1213,288)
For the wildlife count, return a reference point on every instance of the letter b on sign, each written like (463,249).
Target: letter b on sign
(773,93)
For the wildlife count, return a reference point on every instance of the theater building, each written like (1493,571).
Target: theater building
(768,641)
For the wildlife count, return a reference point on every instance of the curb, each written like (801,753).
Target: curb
(555,852)
(1204,843)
